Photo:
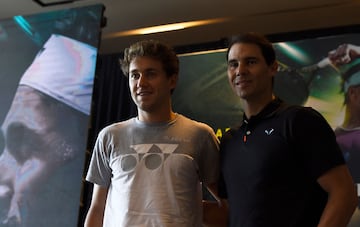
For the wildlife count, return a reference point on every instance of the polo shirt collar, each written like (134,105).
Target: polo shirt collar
(269,110)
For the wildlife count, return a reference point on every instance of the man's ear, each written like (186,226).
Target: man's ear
(274,67)
(173,81)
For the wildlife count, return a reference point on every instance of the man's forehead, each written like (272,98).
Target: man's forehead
(145,63)
(244,50)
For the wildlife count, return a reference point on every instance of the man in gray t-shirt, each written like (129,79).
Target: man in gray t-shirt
(147,171)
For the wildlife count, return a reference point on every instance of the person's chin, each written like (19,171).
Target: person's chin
(144,101)
(242,94)
(145,106)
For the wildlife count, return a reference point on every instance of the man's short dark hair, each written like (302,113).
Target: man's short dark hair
(153,49)
(261,41)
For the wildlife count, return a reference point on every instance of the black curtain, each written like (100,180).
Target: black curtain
(111,102)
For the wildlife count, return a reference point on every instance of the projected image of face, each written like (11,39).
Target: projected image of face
(47,64)
(37,143)
(45,132)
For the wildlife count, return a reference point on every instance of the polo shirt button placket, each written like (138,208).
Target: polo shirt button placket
(248,132)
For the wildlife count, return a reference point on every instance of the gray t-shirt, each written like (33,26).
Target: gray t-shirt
(154,172)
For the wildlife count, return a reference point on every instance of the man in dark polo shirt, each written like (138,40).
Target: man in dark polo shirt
(282,165)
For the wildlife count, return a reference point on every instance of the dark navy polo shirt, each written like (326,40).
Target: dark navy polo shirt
(270,166)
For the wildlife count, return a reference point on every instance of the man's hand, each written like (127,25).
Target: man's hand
(344,54)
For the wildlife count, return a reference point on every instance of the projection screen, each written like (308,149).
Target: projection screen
(47,71)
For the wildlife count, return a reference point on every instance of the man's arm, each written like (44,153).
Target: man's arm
(342,197)
(94,217)
(215,213)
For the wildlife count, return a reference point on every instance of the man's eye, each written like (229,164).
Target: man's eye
(252,61)
(151,74)
(233,64)
(134,76)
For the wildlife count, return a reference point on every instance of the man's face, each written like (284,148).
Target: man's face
(149,85)
(248,73)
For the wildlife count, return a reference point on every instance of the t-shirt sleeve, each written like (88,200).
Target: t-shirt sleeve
(99,171)
(315,142)
(209,161)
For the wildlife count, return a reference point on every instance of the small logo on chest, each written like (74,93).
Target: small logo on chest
(269,131)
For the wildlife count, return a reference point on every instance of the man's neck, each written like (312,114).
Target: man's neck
(254,106)
(158,117)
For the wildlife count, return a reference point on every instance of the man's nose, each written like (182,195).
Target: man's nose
(241,69)
(142,81)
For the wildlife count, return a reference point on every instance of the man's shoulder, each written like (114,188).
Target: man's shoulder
(115,127)
(298,110)
(189,122)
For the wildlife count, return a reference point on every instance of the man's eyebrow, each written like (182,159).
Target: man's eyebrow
(244,59)
(251,58)
(145,70)
(151,70)
(232,60)
(134,70)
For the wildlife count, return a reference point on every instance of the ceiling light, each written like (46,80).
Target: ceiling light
(161,28)
(164,28)
(53,2)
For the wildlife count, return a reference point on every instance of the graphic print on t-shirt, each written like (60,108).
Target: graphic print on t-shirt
(153,155)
